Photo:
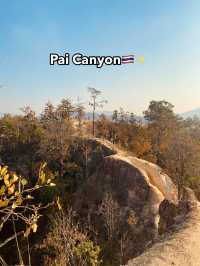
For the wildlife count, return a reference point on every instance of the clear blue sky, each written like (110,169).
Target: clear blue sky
(167,33)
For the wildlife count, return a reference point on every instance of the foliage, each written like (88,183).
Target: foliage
(88,253)
(66,244)
(27,140)
(126,131)
(17,205)
(163,124)
(19,142)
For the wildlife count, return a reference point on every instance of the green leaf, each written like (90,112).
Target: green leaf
(24,182)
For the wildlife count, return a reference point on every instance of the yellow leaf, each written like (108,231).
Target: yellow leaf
(29,197)
(34,227)
(19,201)
(6,180)
(11,189)
(15,178)
(58,203)
(14,205)
(3,203)
(42,177)
(28,230)
(24,182)
(4,170)
(2,190)
(43,165)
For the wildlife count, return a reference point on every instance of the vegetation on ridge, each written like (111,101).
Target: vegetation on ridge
(27,140)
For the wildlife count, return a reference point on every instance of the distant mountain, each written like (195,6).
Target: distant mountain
(192,113)
(188,114)
(109,114)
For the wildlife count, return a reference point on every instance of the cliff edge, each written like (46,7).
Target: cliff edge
(180,247)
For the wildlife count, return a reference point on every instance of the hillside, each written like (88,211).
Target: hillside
(115,193)
(191,114)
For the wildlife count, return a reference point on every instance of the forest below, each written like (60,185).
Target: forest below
(41,173)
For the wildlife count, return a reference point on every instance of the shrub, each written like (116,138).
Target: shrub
(66,244)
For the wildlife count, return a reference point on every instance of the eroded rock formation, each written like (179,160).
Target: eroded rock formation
(181,245)
(136,186)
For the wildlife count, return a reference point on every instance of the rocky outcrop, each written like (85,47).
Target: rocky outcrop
(137,187)
(181,246)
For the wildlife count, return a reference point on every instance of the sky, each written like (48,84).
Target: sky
(166,33)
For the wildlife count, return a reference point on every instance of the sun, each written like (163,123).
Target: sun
(140,59)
